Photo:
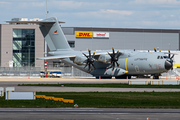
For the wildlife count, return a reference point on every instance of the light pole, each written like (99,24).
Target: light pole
(29,55)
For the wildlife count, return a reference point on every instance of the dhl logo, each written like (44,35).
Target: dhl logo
(84,34)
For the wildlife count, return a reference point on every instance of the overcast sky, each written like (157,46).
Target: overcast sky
(98,13)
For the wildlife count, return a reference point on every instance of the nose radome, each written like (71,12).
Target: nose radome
(168,65)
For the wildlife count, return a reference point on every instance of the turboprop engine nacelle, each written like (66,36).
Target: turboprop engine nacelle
(79,60)
(115,72)
(104,58)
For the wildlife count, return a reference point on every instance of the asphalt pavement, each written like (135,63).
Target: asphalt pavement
(88,114)
(14,81)
(81,113)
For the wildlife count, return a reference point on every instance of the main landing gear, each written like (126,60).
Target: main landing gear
(100,77)
(155,77)
(123,77)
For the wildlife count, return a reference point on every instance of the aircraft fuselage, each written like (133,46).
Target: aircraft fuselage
(136,63)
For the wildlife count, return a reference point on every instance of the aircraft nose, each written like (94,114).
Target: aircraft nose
(168,65)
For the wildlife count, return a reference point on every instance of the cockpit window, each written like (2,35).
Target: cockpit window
(165,57)
(162,57)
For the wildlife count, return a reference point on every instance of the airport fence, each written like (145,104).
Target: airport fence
(35,71)
(69,71)
(65,71)
(20,71)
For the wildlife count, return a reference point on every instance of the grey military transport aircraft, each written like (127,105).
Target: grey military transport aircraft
(106,63)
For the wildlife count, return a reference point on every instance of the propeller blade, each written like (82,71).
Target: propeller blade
(172,56)
(114,58)
(89,53)
(89,67)
(93,54)
(89,61)
(113,69)
(117,64)
(110,54)
(113,50)
(85,61)
(154,49)
(110,66)
(169,55)
(118,54)
(93,66)
(113,64)
(85,55)
(86,65)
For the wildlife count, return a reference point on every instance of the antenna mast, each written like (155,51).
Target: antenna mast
(46,10)
(45,44)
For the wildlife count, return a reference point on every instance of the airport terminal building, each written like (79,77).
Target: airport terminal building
(21,44)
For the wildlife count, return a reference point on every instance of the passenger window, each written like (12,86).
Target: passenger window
(158,57)
(161,57)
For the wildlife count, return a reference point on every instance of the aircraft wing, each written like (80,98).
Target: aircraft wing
(72,56)
(56,57)
(97,54)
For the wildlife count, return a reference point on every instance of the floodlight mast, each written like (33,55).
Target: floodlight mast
(45,45)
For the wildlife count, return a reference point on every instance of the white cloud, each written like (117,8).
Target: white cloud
(4,3)
(38,4)
(175,2)
(101,13)
(118,12)
(98,15)
(65,4)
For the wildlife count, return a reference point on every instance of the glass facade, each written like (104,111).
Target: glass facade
(23,47)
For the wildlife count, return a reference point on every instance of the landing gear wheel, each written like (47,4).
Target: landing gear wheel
(155,77)
(103,77)
(123,77)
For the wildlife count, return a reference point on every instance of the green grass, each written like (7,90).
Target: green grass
(101,100)
(110,85)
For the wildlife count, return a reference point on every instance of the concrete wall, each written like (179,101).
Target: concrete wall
(0,44)
(139,39)
(119,38)
(7,43)
(39,47)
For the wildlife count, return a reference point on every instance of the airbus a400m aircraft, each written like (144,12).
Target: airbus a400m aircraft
(106,63)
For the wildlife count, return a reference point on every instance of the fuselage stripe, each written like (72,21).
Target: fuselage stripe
(126,64)
(105,58)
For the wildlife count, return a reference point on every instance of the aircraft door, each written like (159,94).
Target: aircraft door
(137,68)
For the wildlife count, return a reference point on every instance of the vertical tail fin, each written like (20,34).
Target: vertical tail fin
(54,35)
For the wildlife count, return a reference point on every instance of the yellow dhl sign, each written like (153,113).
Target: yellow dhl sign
(177,65)
(84,34)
